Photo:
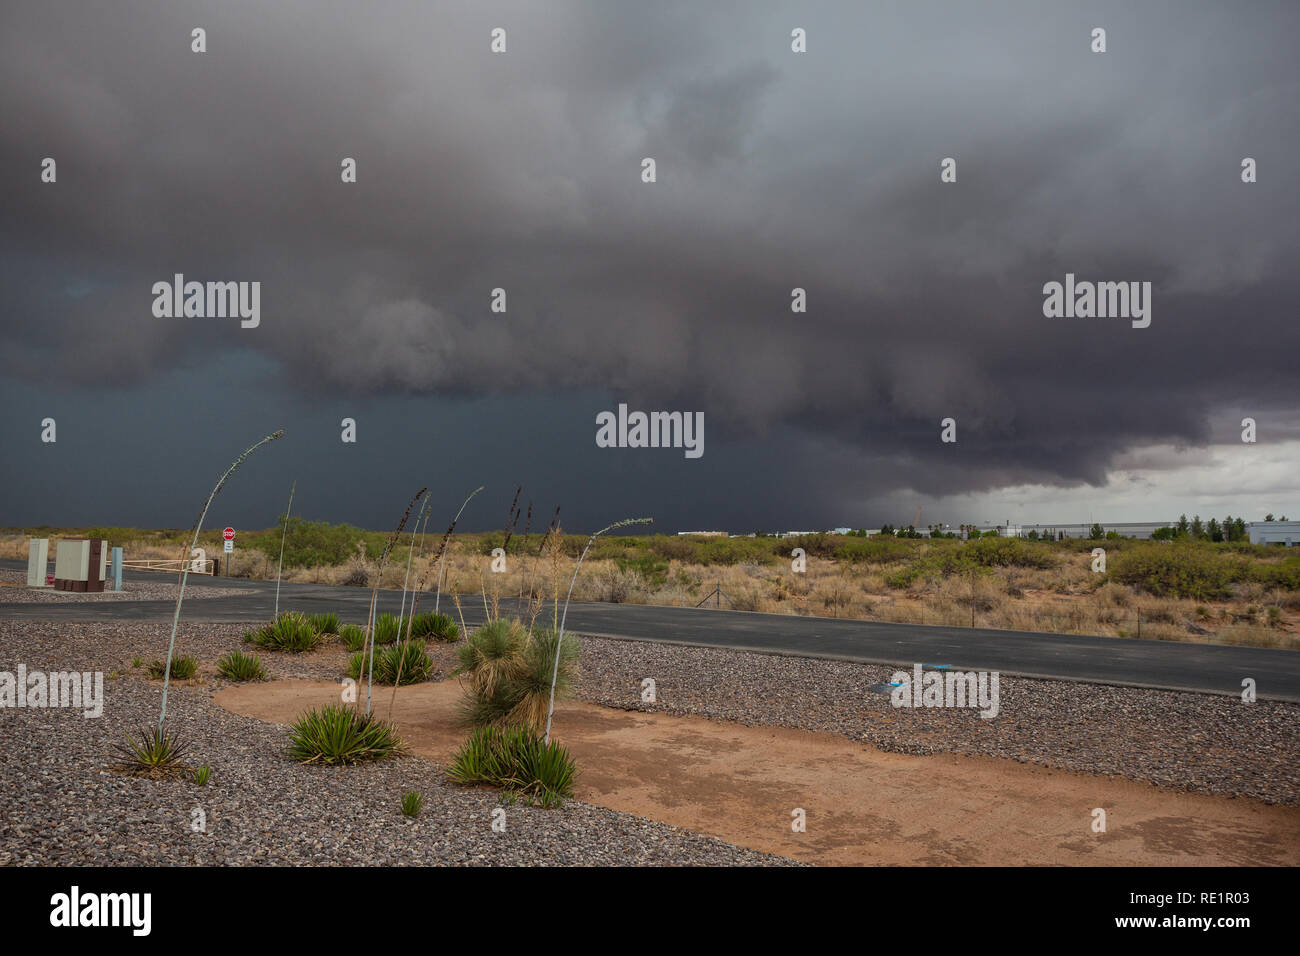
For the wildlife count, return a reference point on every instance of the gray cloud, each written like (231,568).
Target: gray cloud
(776,170)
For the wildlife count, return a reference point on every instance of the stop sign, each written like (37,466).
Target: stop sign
(228,534)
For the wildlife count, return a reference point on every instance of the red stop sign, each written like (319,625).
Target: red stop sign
(228,534)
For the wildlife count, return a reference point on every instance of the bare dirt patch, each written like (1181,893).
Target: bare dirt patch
(863,806)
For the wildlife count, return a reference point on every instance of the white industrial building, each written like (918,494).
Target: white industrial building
(1274,532)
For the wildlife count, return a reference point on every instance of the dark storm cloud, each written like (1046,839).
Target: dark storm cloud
(775,171)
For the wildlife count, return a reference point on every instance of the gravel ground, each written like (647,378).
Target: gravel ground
(1182,741)
(59,805)
(14,590)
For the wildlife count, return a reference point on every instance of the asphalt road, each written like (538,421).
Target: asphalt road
(1210,668)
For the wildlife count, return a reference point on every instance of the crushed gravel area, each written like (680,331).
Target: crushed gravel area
(59,805)
(14,590)
(1196,742)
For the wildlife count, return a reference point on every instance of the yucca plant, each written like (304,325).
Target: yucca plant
(387,628)
(335,734)
(530,679)
(325,623)
(510,673)
(183,668)
(353,636)
(403,663)
(237,666)
(291,631)
(154,752)
(435,627)
(489,654)
(517,760)
(412,801)
(203,775)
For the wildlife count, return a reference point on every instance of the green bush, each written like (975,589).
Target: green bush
(412,801)
(517,760)
(338,734)
(435,627)
(1178,570)
(510,673)
(241,667)
(405,661)
(353,636)
(388,628)
(183,668)
(325,623)
(290,631)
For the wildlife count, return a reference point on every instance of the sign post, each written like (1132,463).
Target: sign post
(228,536)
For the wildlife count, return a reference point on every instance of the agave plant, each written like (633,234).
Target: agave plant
(241,667)
(519,761)
(153,752)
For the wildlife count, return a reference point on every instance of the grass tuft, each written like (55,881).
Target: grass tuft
(517,760)
(237,666)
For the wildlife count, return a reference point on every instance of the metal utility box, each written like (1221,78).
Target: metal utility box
(80,564)
(38,559)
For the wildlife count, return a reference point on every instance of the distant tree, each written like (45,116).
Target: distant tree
(1183,529)
(1198,529)
(1096,532)
(1269,516)
(1213,531)
(1239,529)
(1033,534)
(1112,535)
(1166,533)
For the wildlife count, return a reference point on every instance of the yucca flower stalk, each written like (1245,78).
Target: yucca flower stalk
(442,554)
(185,572)
(555,673)
(288,511)
(374,593)
(410,556)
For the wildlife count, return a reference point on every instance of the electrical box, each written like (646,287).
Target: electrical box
(38,559)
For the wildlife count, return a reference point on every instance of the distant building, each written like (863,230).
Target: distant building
(1274,532)
(703,534)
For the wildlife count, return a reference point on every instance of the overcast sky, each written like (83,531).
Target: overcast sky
(775,170)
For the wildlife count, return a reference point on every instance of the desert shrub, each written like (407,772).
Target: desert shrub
(405,662)
(1283,575)
(651,569)
(154,752)
(435,627)
(388,628)
(338,734)
(1177,570)
(290,631)
(873,550)
(237,666)
(904,577)
(509,673)
(517,760)
(310,544)
(353,636)
(183,668)
(325,623)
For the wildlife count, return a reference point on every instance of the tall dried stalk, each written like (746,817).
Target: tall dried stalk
(410,556)
(185,572)
(374,594)
(559,640)
(288,511)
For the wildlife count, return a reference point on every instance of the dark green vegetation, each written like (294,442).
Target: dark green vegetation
(237,666)
(405,662)
(336,734)
(183,668)
(290,631)
(517,760)
(153,752)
